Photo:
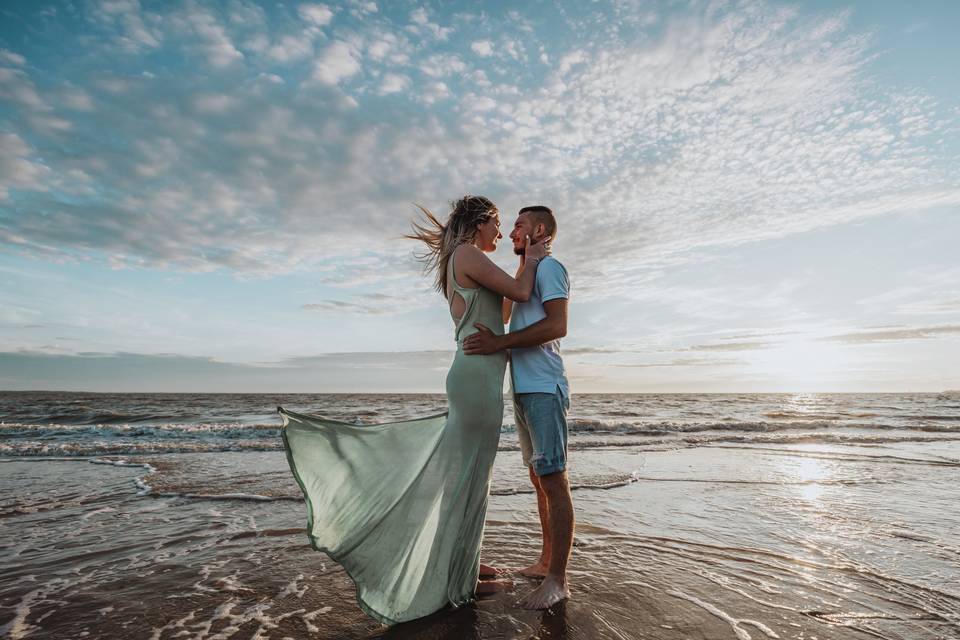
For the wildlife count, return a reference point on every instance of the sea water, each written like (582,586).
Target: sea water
(698,516)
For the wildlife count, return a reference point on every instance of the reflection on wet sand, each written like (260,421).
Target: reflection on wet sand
(817,540)
(814,473)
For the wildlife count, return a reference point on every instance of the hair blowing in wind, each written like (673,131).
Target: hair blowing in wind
(441,239)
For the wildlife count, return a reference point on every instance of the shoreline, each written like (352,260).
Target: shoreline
(287,392)
(672,554)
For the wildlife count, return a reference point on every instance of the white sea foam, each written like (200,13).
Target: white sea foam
(726,617)
(817,530)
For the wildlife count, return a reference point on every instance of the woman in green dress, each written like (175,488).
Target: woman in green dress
(401,505)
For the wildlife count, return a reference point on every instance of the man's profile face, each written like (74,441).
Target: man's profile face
(521,229)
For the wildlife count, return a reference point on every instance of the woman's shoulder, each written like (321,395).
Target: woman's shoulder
(467,248)
(467,254)
(467,259)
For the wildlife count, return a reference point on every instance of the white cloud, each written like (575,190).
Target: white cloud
(9,57)
(520,21)
(49,124)
(932,307)
(434,91)
(727,127)
(214,103)
(514,49)
(482,48)
(214,41)
(930,292)
(158,157)
(481,103)
(895,334)
(119,6)
(571,59)
(271,78)
(704,119)
(77,99)
(336,62)
(371,303)
(291,47)
(394,83)
(378,49)
(316,14)
(257,43)
(386,46)
(423,25)
(17,170)
(419,16)
(247,14)
(726,124)
(17,87)
(442,65)
(127,16)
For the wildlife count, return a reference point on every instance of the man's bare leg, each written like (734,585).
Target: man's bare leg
(486,571)
(539,568)
(554,588)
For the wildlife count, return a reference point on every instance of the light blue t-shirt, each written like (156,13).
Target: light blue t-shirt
(540,369)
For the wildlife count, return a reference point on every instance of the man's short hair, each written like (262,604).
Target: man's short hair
(540,214)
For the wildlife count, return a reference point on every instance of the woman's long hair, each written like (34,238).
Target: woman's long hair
(441,239)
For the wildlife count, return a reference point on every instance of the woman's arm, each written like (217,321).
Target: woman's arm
(507,302)
(478,267)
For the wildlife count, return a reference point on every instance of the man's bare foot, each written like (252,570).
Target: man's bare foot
(487,587)
(537,570)
(551,591)
(486,571)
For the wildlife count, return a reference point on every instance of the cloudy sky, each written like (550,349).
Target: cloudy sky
(210,196)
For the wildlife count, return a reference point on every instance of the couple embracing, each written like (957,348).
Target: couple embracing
(401,506)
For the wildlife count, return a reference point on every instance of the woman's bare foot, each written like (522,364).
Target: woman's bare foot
(537,570)
(487,587)
(486,571)
(551,591)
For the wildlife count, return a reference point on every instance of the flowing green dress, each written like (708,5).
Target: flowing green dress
(401,505)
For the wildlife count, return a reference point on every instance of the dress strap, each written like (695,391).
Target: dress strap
(468,295)
(453,275)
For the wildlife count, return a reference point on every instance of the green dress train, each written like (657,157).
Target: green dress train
(401,505)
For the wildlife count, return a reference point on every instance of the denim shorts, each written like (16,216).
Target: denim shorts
(542,429)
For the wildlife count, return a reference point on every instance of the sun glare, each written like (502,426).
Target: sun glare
(802,365)
(810,470)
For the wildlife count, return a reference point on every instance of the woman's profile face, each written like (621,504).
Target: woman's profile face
(488,234)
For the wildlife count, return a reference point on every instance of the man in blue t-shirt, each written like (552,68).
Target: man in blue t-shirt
(541,399)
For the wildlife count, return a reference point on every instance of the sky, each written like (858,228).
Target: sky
(211,196)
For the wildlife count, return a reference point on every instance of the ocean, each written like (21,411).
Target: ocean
(708,516)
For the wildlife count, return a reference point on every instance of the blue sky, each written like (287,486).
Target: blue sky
(752,196)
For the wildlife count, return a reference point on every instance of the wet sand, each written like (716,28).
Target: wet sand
(724,541)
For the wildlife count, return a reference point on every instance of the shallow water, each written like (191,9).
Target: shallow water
(683,532)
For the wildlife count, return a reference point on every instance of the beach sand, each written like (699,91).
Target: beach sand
(806,541)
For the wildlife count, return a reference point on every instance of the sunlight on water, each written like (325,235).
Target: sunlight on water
(812,471)
(698,516)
